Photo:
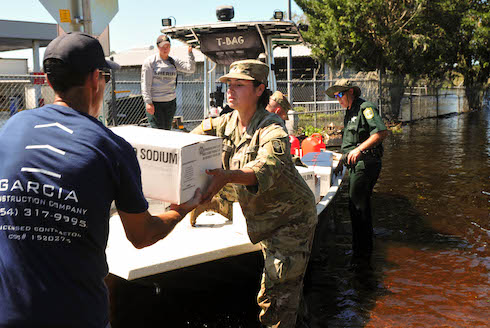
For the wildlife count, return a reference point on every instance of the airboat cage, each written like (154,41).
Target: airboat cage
(226,42)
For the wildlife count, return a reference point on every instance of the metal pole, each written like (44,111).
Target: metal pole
(206,88)
(270,60)
(380,94)
(437,102)
(314,98)
(37,68)
(411,105)
(87,17)
(113,108)
(290,55)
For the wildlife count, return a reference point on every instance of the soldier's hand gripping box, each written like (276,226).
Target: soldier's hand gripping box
(172,163)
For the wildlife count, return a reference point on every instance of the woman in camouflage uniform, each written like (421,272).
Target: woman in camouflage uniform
(278,205)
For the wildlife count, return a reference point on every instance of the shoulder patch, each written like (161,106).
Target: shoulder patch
(207,124)
(277,147)
(368,113)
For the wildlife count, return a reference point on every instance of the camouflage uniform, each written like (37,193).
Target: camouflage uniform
(280,210)
(283,102)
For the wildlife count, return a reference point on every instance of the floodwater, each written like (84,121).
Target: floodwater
(432,229)
(431,210)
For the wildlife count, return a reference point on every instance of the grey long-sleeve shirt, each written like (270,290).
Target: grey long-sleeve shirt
(158,77)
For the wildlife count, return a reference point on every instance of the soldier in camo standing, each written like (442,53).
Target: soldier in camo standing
(278,205)
(279,105)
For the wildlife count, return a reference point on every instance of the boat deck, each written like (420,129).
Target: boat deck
(213,238)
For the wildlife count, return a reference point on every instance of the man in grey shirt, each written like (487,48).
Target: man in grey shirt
(158,83)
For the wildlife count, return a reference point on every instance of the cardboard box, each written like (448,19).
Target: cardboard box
(308,175)
(321,163)
(172,163)
(324,175)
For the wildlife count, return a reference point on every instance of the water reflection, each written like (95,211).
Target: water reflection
(431,224)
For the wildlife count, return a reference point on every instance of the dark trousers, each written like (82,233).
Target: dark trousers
(362,179)
(164,114)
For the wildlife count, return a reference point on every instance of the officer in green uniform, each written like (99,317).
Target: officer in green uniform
(363,133)
(278,205)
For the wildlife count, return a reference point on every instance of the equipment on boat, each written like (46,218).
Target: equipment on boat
(313,143)
(295,145)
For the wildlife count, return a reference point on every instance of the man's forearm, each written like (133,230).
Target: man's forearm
(144,229)
(161,225)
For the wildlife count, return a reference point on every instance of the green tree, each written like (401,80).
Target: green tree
(473,49)
(372,35)
(463,44)
(410,39)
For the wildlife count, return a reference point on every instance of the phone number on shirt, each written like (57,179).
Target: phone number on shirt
(57,217)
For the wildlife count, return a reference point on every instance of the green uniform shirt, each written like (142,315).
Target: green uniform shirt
(281,196)
(360,122)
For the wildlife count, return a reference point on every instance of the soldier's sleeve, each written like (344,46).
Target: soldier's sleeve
(371,117)
(273,154)
(208,126)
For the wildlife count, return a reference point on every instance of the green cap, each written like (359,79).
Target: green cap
(248,69)
(341,86)
(281,99)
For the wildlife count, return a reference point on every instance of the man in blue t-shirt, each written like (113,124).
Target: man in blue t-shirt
(60,170)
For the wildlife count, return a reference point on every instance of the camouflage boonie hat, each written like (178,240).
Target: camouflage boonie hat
(248,69)
(341,86)
(281,99)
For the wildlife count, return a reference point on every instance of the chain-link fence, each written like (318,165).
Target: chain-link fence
(126,105)
(313,107)
(20,92)
(424,102)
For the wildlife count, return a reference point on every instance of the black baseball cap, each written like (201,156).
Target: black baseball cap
(82,52)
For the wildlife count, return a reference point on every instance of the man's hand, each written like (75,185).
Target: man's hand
(150,108)
(188,206)
(143,229)
(189,49)
(354,156)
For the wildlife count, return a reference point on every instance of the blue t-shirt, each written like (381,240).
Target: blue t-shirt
(60,170)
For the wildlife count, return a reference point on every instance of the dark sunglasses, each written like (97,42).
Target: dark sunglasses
(339,95)
(106,75)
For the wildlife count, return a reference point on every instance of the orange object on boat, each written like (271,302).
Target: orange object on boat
(313,143)
(294,145)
